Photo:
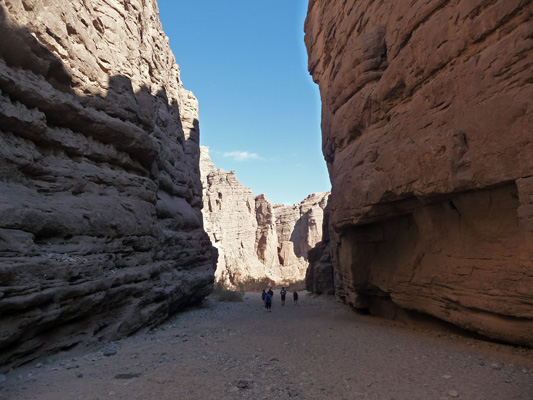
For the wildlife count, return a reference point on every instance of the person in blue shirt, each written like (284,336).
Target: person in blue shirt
(268,302)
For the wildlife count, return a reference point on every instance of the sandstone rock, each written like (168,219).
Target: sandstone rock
(319,277)
(426,123)
(254,238)
(230,221)
(299,229)
(100,193)
(266,240)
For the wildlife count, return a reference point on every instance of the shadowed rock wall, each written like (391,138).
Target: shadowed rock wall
(427,134)
(100,194)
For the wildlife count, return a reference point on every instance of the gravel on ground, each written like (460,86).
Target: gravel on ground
(319,349)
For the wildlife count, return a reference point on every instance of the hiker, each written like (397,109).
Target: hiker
(283,292)
(270,292)
(295,297)
(263,295)
(268,302)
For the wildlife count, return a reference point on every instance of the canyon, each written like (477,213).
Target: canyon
(113,218)
(101,230)
(427,134)
(257,240)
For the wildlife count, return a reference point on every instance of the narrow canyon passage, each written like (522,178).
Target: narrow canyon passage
(319,349)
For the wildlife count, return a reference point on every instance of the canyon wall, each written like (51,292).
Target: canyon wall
(299,229)
(427,133)
(254,238)
(100,194)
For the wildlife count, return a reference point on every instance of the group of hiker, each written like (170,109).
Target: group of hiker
(267,297)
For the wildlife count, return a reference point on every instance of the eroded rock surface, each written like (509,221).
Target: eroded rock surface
(427,132)
(299,229)
(254,238)
(100,193)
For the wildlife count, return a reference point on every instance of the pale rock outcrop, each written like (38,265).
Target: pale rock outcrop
(254,238)
(266,240)
(427,133)
(231,223)
(100,194)
(320,274)
(299,229)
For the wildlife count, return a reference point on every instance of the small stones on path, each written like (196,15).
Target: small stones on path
(292,392)
(110,351)
(243,384)
(127,376)
(240,362)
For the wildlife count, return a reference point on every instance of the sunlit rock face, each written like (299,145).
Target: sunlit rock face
(427,132)
(100,194)
(254,238)
(299,229)
(230,221)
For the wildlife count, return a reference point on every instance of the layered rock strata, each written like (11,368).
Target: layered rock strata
(254,238)
(299,229)
(427,133)
(100,194)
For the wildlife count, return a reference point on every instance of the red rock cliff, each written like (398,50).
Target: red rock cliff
(428,136)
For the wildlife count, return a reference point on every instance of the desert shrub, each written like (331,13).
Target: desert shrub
(222,293)
(255,284)
(299,285)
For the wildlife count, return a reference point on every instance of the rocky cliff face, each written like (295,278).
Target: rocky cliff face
(426,119)
(299,229)
(230,221)
(100,193)
(254,238)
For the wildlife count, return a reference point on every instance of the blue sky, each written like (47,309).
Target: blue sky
(245,61)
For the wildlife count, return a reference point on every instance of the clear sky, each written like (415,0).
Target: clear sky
(245,61)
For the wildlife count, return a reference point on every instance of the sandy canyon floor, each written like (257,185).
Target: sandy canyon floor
(319,349)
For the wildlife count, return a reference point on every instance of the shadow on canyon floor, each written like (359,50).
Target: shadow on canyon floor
(317,350)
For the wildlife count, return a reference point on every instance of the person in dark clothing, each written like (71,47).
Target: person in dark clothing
(295,297)
(283,293)
(263,295)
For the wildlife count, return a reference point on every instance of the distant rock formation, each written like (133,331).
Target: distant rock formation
(427,132)
(100,194)
(299,229)
(254,238)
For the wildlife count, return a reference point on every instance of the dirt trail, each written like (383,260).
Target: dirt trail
(316,350)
